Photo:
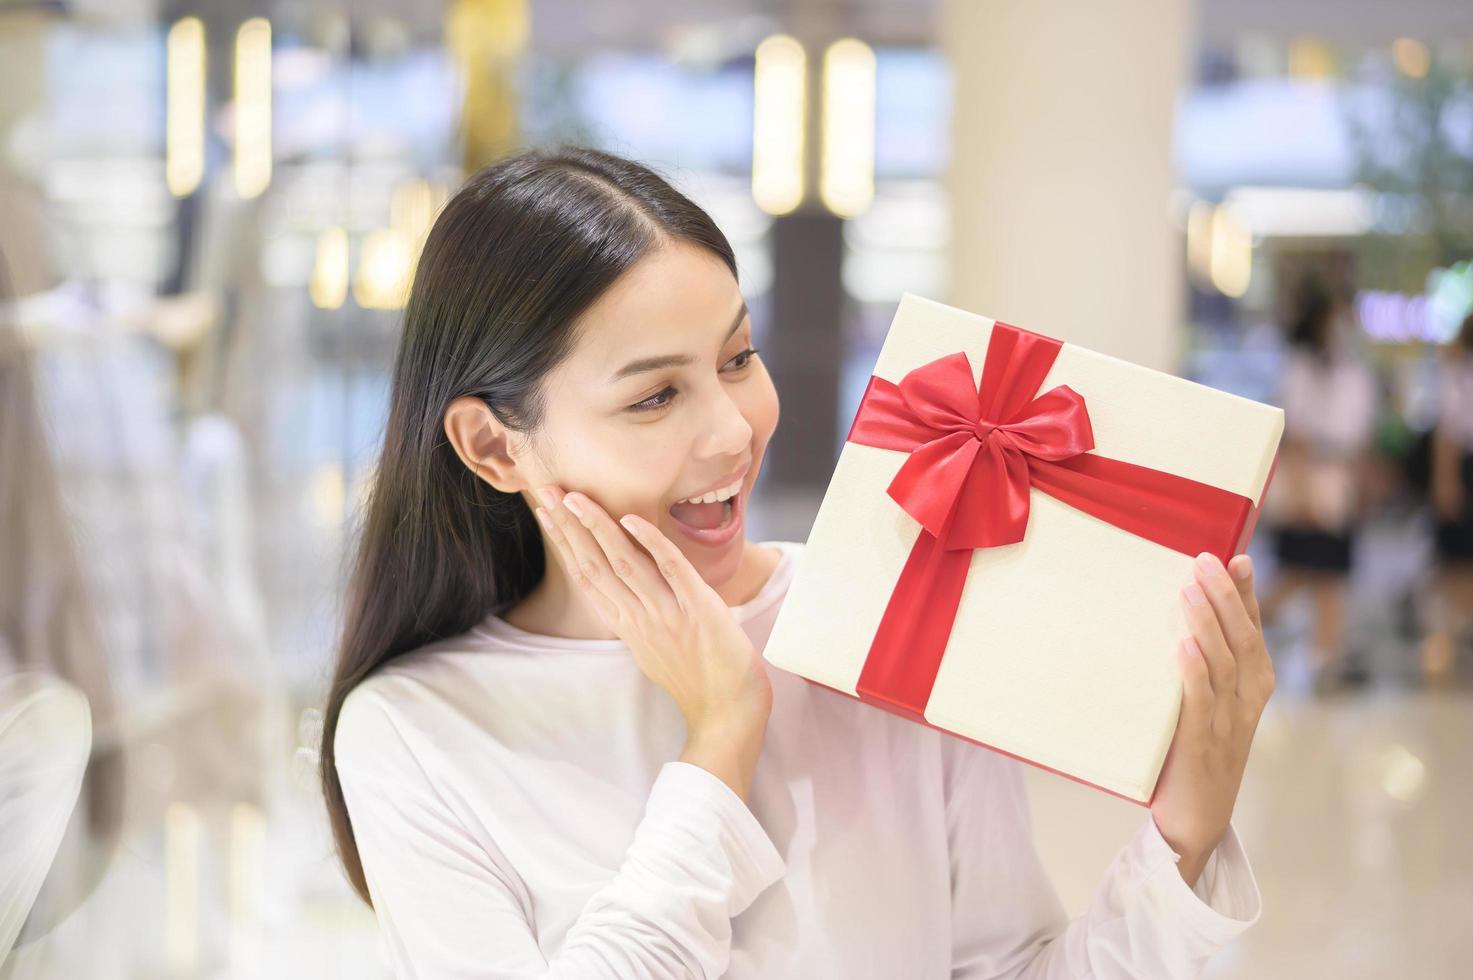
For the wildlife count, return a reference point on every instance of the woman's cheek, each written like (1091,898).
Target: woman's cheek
(765,412)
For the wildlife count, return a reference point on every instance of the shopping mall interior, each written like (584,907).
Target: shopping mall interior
(211,215)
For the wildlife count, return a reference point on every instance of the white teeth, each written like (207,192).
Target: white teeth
(715,495)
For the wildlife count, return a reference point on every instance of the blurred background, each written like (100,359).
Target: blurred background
(209,213)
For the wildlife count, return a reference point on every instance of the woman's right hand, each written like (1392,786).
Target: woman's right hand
(683,635)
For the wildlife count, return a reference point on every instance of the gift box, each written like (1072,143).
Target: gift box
(1000,551)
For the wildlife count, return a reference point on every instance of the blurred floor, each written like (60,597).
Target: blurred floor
(1353,815)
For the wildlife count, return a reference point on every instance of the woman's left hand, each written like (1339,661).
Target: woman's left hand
(1227,679)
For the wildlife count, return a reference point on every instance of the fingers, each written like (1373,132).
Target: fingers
(629,563)
(1197,699)
(585,560)
(1256,673)
(1241,569)
(689,588)
(1221,666)
(605,607)
(1237,613)
(1228,626)
(1237,626)
(591,548)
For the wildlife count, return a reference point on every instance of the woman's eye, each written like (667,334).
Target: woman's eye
(650,403)
(664,397)
(746,357)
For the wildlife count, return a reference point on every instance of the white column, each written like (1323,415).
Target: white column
(1061,168)
(1060,181)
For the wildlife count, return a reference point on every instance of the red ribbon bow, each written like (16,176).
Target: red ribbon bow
(975,455)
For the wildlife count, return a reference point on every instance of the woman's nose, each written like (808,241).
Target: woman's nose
(730,433)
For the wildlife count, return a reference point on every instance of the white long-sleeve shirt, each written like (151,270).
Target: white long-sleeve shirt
(520,811)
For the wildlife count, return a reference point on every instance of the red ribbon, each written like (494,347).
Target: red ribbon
(974,456)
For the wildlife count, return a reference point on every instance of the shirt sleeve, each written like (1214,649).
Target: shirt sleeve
(1008,922)
(449,907)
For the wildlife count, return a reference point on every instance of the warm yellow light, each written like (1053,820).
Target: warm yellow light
(383,270)
(253,107)
(1311,57)
(846,180)
(778,121)
(412,207)
(327,493)
(181,889)
(1403,774)
(247,880)
(1231,265)
(1410,57)
(1199,240)
(412,211)
(184,106)
(328,286)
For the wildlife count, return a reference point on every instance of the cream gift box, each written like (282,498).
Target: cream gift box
(1000,550)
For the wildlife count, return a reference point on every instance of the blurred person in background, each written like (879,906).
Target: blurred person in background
(1452,509)
(60,765)
(1330,401)
(107,583)
(120,572)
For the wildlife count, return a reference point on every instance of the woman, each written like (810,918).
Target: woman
(553,749)
(1330,403)
(1452,508)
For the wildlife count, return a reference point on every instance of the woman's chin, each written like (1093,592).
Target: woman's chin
(717,566)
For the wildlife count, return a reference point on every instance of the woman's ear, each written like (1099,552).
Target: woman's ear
(484,444)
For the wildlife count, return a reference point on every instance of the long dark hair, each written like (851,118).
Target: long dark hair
(516,257)
(1312,305)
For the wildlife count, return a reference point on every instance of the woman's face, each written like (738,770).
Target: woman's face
(660,401)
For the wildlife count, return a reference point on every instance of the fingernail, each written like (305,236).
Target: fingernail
(541,516)
(628,524)
(1194,594)
(546,494)
(573,505)
(1245,569)
(1207,562)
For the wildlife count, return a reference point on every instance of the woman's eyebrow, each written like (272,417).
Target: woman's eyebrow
(672,360)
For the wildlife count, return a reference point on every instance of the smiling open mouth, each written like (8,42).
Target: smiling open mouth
(705,517)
